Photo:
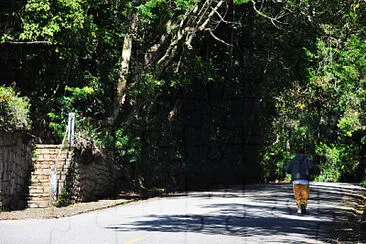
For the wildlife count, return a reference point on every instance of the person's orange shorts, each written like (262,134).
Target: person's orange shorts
(301,194)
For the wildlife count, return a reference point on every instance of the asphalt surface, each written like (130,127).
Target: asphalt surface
(247,214)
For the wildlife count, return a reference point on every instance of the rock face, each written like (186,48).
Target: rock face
(15,165)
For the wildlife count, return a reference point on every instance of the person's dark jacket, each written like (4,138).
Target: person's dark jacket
(299,167)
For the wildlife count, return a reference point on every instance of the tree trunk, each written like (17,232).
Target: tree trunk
(124,67)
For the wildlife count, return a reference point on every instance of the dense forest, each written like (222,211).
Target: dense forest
(191,93)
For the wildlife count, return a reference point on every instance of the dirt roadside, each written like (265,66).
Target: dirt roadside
(59,212)
(80,208)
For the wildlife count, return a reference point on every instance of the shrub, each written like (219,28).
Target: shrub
(363,183)
(14,110)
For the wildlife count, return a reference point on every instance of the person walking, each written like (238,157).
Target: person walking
(299,167)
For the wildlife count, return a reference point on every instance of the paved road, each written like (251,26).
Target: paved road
(250,214)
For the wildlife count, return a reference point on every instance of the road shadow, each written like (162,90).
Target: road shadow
(267,210)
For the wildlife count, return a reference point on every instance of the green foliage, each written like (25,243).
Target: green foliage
(58,129)
(241,1)
(14,110)
(274,161)
(148,87)
(80,93)
(127,145)
(363,183)
(146,9)
(76,100)
(306,78)
(324,110)
(349,123)
(64,199)
(331,167)
(44,19)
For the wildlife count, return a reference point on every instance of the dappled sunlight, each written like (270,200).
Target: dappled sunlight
(263,211)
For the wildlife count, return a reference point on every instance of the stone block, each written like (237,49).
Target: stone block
(40,196)
(32,205)
(40,181)
(39,204)
(36,190)
(41,171)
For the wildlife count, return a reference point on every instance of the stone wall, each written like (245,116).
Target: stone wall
(45,157)
(24,182)
(81,176)
(90,177)
(15,167)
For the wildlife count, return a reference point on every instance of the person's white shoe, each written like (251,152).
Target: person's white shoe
(299,211)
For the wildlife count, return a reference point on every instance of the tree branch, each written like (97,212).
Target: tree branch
(192,22)
(218,39)
(151,54)
(28,43)
(274,21)
(213,11)
(222,18)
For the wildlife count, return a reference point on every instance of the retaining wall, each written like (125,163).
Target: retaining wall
(45,157)
(80,176)
(15,167)
(25,175)
(91,177)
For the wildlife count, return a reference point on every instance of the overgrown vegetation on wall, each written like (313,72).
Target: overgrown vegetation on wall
(14,110)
